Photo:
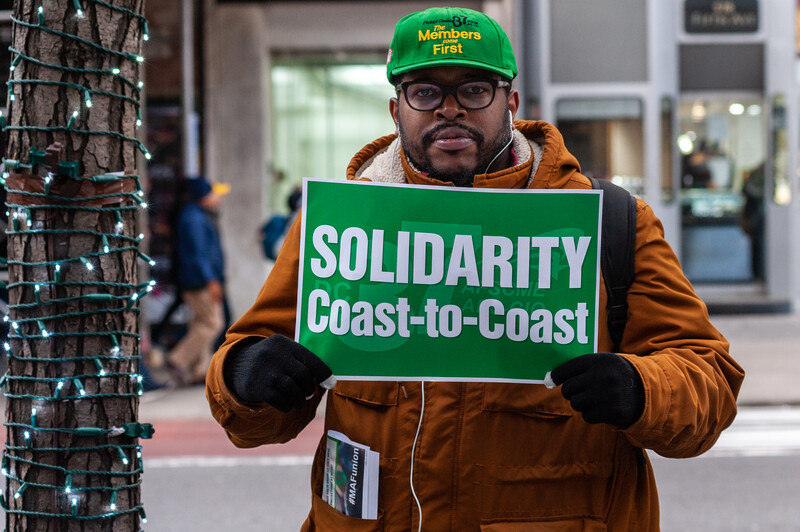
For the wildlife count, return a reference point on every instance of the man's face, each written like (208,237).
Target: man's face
(453,143)
(211,201)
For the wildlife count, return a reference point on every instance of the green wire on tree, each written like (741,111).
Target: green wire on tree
(106,373)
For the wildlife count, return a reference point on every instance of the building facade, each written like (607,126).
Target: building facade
(692,105)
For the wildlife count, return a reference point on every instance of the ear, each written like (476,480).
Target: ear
(513,103)
(393,110)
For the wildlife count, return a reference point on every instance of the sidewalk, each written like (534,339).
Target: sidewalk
(766,346)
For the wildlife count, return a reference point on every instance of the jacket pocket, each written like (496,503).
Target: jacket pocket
(529,399)
(562,525)
(539,463)
(325,518)
(367,413)
(369,393)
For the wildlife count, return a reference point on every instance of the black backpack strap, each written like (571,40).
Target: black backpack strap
(618,246)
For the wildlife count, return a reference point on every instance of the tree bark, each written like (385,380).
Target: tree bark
(52,228)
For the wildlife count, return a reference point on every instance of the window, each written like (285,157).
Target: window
(606,136)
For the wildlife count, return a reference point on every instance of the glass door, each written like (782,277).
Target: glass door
(723,147)
(324,109)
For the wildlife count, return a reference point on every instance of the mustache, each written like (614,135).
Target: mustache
(427,138)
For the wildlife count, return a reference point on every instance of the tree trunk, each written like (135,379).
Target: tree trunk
(73,383)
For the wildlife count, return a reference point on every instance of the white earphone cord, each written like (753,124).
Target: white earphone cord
(413,451)
(510,140)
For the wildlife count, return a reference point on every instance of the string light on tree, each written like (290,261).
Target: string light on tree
(74,282)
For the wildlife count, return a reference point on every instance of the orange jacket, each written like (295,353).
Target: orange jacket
(497,457)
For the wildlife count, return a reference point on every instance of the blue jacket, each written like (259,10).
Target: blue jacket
(200,256)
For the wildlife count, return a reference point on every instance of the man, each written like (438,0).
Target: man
(489,456)
(201,271)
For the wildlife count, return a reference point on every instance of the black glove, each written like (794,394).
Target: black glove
(274,370)
(604,387)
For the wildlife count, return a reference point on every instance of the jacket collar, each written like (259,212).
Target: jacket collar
(543,162)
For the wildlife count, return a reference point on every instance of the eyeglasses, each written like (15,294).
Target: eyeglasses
(471,94)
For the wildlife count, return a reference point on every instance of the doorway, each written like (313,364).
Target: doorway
(324,110)
(723,148)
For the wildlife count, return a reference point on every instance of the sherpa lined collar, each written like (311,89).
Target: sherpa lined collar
(543,161)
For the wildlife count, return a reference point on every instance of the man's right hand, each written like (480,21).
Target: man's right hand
(215,290)
(277,371)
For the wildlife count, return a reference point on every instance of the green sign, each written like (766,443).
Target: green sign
(403,282)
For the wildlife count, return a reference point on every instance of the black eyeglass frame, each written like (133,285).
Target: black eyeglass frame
(452,89)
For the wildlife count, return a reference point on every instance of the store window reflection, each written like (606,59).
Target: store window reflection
(324,109)
(606,136)
(722,143)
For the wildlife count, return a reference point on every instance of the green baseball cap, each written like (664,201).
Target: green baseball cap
(450,36)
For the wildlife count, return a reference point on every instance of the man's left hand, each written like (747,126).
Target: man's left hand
(604,387)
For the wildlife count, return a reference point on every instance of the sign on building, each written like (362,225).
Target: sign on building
(721,16)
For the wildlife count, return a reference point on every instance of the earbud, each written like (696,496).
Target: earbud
(510,123)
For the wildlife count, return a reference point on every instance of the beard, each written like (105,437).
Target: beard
(417,152)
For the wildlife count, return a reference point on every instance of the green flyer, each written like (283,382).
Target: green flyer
(405,282)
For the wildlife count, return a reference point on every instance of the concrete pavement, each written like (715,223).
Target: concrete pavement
(767,346)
